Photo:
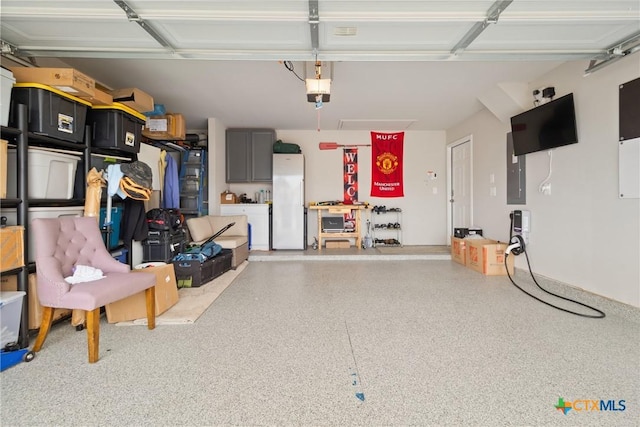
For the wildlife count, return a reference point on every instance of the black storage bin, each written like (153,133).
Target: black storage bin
(52,112)
(162,253)
(116,127)
(222,262)
(164,236)
(460,232)
(192,274)
(189,204)
(162,250)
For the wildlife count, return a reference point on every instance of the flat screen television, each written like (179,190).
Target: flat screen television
(545,127)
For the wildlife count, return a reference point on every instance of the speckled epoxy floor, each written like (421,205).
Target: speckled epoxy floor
(295,343)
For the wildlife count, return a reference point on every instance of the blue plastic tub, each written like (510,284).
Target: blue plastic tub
(12,358)
(116,219)
(120,255)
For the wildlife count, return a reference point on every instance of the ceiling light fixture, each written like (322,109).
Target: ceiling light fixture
(318,89)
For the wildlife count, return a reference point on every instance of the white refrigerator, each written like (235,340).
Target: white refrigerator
(288,202)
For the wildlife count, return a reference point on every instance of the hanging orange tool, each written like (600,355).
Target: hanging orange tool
(334,145)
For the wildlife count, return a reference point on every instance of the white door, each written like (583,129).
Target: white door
(460,188)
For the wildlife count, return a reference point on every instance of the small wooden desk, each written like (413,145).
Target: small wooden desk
(340,210)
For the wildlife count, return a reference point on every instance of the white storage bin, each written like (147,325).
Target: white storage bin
(10,312)
(45,212)
(6,83)
(51,175)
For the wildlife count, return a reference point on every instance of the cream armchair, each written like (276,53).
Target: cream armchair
(235,238)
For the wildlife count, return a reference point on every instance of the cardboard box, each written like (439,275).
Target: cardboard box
(337,244)
(228,198)
(474,253)
(170,126)
(180,127)
(135,306)
(133,97)
(458,250)
(11,247)
(10,283)
(67,80)
(3,168)
(486,256)
(493,260)
(99,97)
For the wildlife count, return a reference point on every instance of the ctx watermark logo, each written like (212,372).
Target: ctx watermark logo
(590,405)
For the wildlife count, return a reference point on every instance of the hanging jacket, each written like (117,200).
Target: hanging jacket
(134,222)
(171,193)
(162,165)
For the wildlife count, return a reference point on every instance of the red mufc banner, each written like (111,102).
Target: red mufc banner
(350,175)
(386,164)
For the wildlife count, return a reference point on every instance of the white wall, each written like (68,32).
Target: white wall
(424,213)
(215,162)
(582,234)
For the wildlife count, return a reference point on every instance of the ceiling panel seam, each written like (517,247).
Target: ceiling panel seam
(132,16)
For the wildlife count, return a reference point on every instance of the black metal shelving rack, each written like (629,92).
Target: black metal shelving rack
(193,174)
(21,204)
(24,139)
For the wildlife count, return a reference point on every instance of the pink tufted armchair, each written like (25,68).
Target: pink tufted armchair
(66,242)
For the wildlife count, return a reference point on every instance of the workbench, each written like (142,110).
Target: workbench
(340,210)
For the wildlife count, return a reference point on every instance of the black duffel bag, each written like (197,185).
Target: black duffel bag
(164,219)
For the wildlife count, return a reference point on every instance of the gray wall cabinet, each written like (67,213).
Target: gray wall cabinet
(249,155)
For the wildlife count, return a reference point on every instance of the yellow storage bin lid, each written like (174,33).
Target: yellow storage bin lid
(121,107)
(54,90)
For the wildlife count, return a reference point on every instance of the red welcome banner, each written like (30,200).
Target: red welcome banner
(386,164)
(350,160)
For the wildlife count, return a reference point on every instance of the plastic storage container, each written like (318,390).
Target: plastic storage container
(162,249)
(51,175)
(120,255)
(116,220)
(189,204)
(10,312)
(192,274)
(6,83)
(45,212)
(52,112)
(117,127)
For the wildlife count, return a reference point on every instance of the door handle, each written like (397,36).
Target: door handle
(451,200)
